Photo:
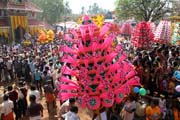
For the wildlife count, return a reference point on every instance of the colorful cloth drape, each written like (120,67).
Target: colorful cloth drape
(18,21)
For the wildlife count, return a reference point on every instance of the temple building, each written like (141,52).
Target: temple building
(18,17)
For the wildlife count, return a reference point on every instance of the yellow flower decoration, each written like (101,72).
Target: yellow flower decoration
(46,36)
(27,42)
(97,19)
(50,35)
(172,27)
(79,21)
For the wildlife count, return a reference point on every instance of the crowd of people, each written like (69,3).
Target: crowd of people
(156,68)
(29,74)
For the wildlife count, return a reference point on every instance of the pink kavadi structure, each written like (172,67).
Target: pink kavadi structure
(103,75)
(126,29)
(142,36)
(163,32)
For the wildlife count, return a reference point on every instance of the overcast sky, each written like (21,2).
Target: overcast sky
(76,5)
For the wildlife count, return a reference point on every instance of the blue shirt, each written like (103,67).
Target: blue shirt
(37,76)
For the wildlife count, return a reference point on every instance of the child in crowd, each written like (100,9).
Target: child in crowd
(162,105)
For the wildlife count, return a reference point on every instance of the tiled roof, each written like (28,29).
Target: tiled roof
(15,7)
(27,6)
(34,22)
(47,25)
(33,7)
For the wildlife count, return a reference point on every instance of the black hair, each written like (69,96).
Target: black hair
(135,63)
(45,72)
(46,68)
(74,109)
(72,100)
(175,63)
(5,97)
(21,83)
(158,59)
(113,117)
(9,88)
(32,98)
(33,87)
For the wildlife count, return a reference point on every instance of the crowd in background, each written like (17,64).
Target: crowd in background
(35,73)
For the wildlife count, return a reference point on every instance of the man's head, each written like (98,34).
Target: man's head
(21,84)
(33,87)
(32,98)
(5,97)
(72,101)
(74,109)
(10,88)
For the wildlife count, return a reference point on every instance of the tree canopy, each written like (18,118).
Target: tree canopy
(53,11)
(175,7)
(148,10)
(96,9)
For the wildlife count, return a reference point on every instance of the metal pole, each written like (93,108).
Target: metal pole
(64,21)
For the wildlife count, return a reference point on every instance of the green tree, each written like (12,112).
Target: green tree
(68,10)
(175,7)
(148,10)
(53,11)
(83,10)
(95,9)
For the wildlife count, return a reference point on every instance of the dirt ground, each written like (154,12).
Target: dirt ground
(84,114)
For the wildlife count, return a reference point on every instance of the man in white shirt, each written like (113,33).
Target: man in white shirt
(9,67)
(72,114)
(129,108)
(35,92)
(7,108)
(66,106)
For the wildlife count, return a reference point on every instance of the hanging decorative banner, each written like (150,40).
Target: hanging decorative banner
(17,21)
(103,75)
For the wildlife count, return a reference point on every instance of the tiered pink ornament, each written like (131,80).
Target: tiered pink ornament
(153,27)
(126,29)
(103,74)
(142,36)
(163,32)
